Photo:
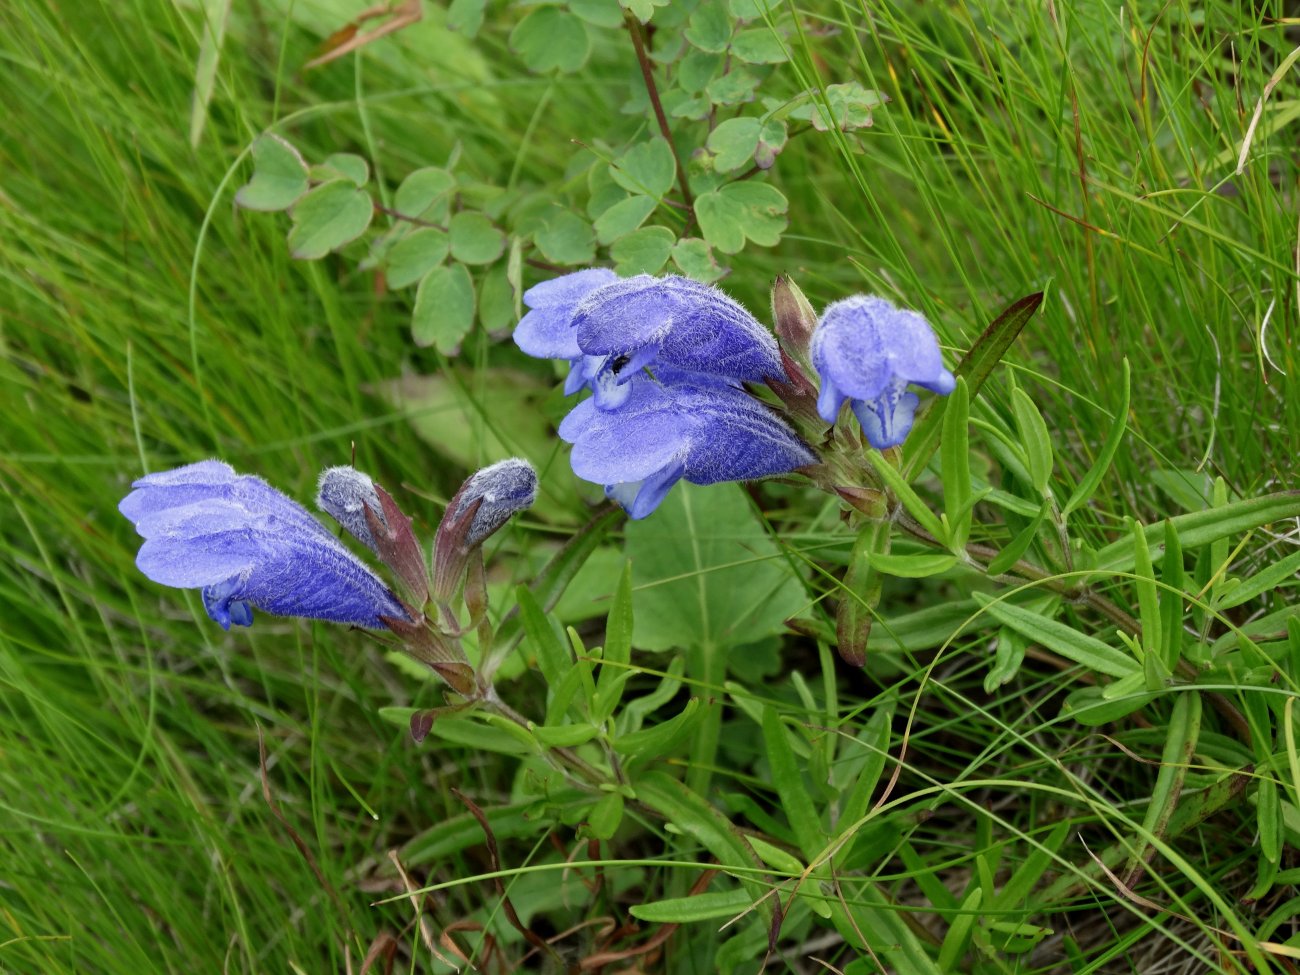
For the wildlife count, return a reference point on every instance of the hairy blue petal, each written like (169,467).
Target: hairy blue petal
(640,498)
(887,419)
(866,350)
(677,322)
(247,545)
(546,332)
(705,432)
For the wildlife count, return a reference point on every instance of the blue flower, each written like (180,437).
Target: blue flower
(701,430)
(868,351)
(247,545)
(634,322)
(546,332)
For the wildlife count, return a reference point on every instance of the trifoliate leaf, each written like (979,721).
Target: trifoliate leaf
(694,258)
(444,308)
(846,107)
(412,257)
(737,211)
(623,218)
(733,143)
(648,167)
(551,39)
(328,217)
(419,192)
(710,27)
(279,176)
(565,238)
(474,240)
(759,45)
(644,251)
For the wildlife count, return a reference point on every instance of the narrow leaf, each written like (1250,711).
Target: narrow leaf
(975,368)
(788,779)
(1089,482)
(1060,638)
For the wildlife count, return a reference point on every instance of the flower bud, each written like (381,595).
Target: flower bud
(483,504)
(344,493)
(504,488)
(794,317)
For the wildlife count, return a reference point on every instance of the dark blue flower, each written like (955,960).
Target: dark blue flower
(867,351)
(247,545)
(701,430)
(673,321)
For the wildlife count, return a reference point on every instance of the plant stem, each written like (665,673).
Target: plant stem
(647,72)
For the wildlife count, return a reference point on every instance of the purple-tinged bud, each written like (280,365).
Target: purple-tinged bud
(344,493)
(483,504)
(794,318)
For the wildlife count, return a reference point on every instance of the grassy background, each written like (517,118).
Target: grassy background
(1083,148)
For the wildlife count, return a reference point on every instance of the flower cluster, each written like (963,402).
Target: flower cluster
(667,360)
(245,545)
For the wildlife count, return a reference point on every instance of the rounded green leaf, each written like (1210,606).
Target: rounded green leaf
(598,13)
(771,140)
(694,258)
(279,176)
(412,257)
(565,238)
(623,218)
(643,252)
(474,240)
(733,143)
(733,88)
(759,45)
(329,217)
(421,190)
(731,214)
(647,167)
(710,27)
(444,308)
(696,70)
(496,300)
(342,165)
(551,39)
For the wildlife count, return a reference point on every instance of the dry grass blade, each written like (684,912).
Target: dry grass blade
(346,39)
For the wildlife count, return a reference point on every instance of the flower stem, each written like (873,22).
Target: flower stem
(647,72)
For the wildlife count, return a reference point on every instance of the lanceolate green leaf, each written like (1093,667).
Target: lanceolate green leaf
(1060,638)
(704,823)
(974,367)
(1203,527)
(1092,479)
(788,779)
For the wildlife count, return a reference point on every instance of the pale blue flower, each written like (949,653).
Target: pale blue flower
(867,351)
(246,545)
